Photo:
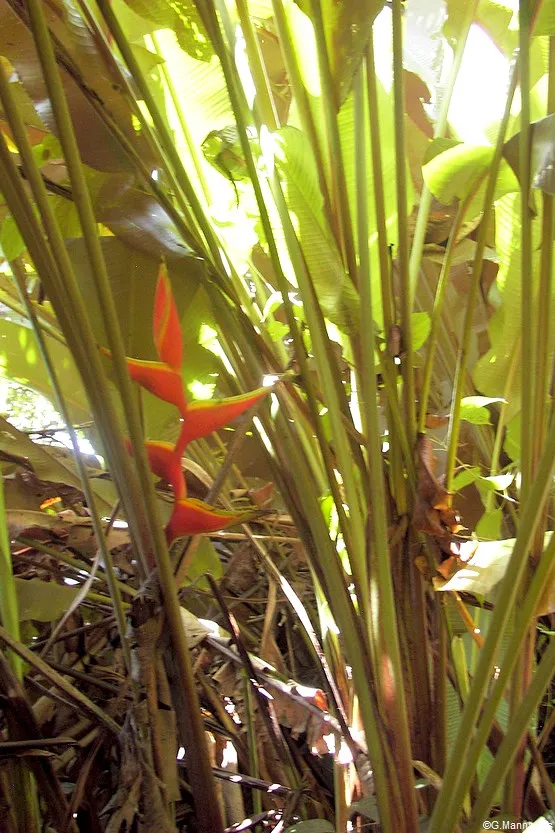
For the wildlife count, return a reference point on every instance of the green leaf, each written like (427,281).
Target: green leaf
(276,330)
(461,171)
(492,16)
(511,446)
(497,482)
(312,826)
(21,361)
(474,410)
(489,525)
(336,294)
(43,601)
(502,360)
(348,26)
(183,18)
(421,326)
(465,478)
(206,560)
(11,241)
(45,462)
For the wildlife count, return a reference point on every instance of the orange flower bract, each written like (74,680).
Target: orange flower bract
(163,379)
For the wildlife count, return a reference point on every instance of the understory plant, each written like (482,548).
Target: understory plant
(335,598)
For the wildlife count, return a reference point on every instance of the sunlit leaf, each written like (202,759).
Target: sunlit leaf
(474,409)
(461,171)
(491,15)
(11,241)
(181,16)
(487,567)
(497,482)
(336,294)
(421,326)
(347,25)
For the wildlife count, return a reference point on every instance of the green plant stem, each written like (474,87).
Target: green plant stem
(200,770)
(84,207)
(502,420)
(388,301)
(264,98)
(509,748)
(9,609)
(254,768)
(436,315)
(25,798)
(101,541)
(56,271)
(384,625)
(545,293)
(352,528)
(514,785)
(439,131)
(330,104)
(462,361)
(167,143)
(177,104)
(302,100)
(409,395)
(528,321)
(459,777)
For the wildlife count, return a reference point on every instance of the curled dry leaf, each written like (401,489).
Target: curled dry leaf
(436,421)
(433,512)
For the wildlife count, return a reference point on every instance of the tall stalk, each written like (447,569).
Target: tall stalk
(409,394)
(459,777)
(462,359)
(439,131)
(383,624)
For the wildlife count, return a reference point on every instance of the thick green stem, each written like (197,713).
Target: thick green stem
(81,467)
(436,316)
(520,721)
(459,777)
(264,99)
(339,194)
(409,394)
(384,625)
(462,361)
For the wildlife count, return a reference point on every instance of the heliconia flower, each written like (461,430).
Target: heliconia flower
(165,462)
(165,323)
(192,517)
(203,418)
(158,378)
